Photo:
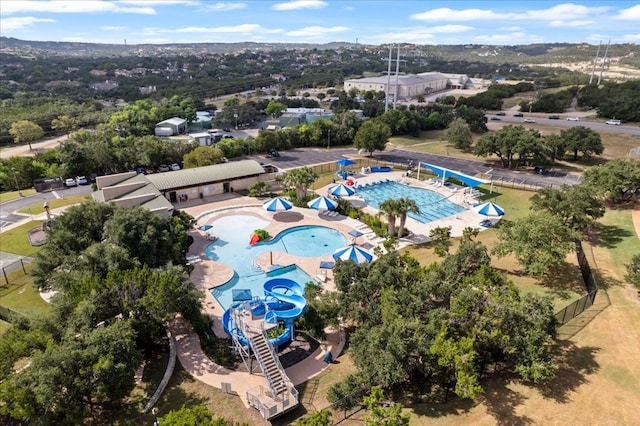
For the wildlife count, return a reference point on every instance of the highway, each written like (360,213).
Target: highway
(562,122)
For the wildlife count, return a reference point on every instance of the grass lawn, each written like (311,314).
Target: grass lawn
(15,240)
(20,295)
(38,208)
(12,195)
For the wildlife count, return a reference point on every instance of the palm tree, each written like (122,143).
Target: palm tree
(300,179)
(389,208)
(405,205)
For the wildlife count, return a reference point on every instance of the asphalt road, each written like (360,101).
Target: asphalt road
(545,121)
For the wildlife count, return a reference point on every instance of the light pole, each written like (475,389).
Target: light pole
(235,115)
(15,177)
(328,138)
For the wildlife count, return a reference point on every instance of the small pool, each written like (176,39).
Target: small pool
(255,283)
(232,248)
(433,206)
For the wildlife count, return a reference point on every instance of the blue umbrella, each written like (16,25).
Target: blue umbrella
(353,253)
(341,190)
(322,203)
(488,209)
(277,205)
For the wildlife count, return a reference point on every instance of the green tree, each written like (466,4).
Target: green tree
(65,124)
(26,131)
(380,415)
(576,206)
(458,134)
(405,206)
(317,418)
(538,241)
(390,209)
(203,156)
(633,271)
(582,139)
(514,145)
(441,240)
(190,416)
(555,146)
(617,181)
(275,108)
(372,136)
(258,189)
(300,179)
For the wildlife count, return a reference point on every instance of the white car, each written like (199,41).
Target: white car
(174,166)
(529,120)
(82,180)
(613,122)
(70,182)
(573,119)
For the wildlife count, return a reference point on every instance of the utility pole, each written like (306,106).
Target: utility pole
(395,92)
(604,60)
(595,61)
(328,138)
(386,94)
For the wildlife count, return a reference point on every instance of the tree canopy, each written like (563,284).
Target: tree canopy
(26,131)
(372,136)
(617,181)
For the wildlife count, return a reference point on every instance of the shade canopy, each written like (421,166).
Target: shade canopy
(353,253)
(345,162)
(444,173)
(277,205)
(322,203)
(341,190)
(488,209)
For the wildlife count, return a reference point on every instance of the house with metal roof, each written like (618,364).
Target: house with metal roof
(131,189)
(160,191)
(409,85)
(171,127)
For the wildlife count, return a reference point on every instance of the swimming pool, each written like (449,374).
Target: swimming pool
(255,283)
(232,248)
(432,205)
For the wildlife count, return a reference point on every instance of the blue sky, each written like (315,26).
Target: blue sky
(495,22)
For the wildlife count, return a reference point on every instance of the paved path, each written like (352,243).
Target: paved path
(635,215)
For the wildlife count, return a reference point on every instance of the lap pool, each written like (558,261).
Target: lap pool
(232,248)
(432,205)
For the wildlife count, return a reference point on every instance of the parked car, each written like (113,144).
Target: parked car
(228,136)
(174,166)
(82,180)
(163,168)
(529,120)
(554,117)
(70,182)
(226,129)
(500,113)
(573,119)
(496,118)
(518,114)
(274,153)
(613,122)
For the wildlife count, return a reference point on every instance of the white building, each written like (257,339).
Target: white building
(171,127)
(203,138)
(410,86)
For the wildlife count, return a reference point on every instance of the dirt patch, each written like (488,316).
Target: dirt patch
(37,236)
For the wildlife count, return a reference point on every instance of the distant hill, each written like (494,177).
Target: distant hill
(540,53)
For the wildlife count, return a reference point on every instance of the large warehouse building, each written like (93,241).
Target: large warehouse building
(411,85)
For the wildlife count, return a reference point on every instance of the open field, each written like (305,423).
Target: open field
(12,195)
(20,295)
(15,240)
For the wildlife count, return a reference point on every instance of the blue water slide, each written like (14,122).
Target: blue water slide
(289,295)
(284,301)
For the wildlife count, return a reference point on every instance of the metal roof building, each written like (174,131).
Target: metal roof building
(410,85)
(159,191)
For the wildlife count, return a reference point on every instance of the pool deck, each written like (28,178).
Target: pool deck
(208,274)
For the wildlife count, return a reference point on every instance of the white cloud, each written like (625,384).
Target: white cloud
(631,14)
(575,11)
(421,34)
(225,7)
(112,28)
(511,38)
(299,4)
(244,29)
(160,2)
(316,31)
(60,6)
(511,28)
(631,37)
(563,23)
(15,24)
(446,14)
